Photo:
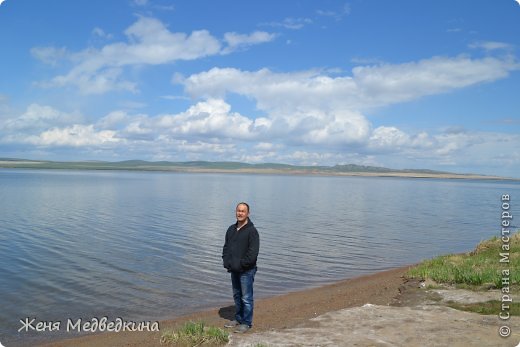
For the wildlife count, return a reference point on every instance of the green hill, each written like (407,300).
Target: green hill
(233,167)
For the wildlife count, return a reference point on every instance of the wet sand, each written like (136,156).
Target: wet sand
(275,313)
(382,309)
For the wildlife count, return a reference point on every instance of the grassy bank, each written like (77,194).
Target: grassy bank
(238,167)
(195,334)
(480,268)
(490,307)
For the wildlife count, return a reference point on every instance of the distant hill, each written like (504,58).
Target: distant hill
(234,167)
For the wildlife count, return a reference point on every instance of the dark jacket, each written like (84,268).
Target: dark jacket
(241,248)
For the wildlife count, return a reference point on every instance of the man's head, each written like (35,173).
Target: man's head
(242,212)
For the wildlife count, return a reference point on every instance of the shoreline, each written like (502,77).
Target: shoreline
(349,170)
(272,313)
(406,175)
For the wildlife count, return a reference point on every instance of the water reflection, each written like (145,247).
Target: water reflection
(147,245)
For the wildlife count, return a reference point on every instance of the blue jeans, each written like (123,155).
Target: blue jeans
(243,294)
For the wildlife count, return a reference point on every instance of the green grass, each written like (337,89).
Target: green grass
(195,334)
(477,268)
(489,307)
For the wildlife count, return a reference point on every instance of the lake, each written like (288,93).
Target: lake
(147,245)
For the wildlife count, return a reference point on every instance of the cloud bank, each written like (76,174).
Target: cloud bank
(307,117)
(149,42)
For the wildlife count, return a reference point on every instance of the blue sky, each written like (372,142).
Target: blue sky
(401,84)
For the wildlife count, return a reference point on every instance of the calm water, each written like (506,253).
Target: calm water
(142,246)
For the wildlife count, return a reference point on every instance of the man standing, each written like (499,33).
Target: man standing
(239,257)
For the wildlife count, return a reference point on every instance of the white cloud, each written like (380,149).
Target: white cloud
(174,97)
(306,117)
(209,122)
(211,130)
(101,33)
(491,45)
(49,55)
(152,43)
(272,91)
(290,23)
(211,118)
(92,82)
(214,118)
(149,42)
(388,137)
(447,149)
(368,86)
(267,146)
(338,127)
(313,158)
(168,148)
(38,117)
(113,120)
(386,84)
(450,143)
(316,110)
(336,14)
(240,41)
(74,136)
(311,107)
(488,149)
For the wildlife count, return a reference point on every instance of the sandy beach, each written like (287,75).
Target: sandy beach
(381,309)
(279,312)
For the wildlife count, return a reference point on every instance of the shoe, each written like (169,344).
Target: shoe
(242,328)
(231,324)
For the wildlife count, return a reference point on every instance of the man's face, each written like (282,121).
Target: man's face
(242,213)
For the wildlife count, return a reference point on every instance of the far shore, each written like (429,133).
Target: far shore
(347,174)
(221,168)
(274,313)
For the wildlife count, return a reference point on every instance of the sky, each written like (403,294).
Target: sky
(404,84)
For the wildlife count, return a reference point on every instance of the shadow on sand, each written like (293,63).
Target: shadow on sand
(227,312)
